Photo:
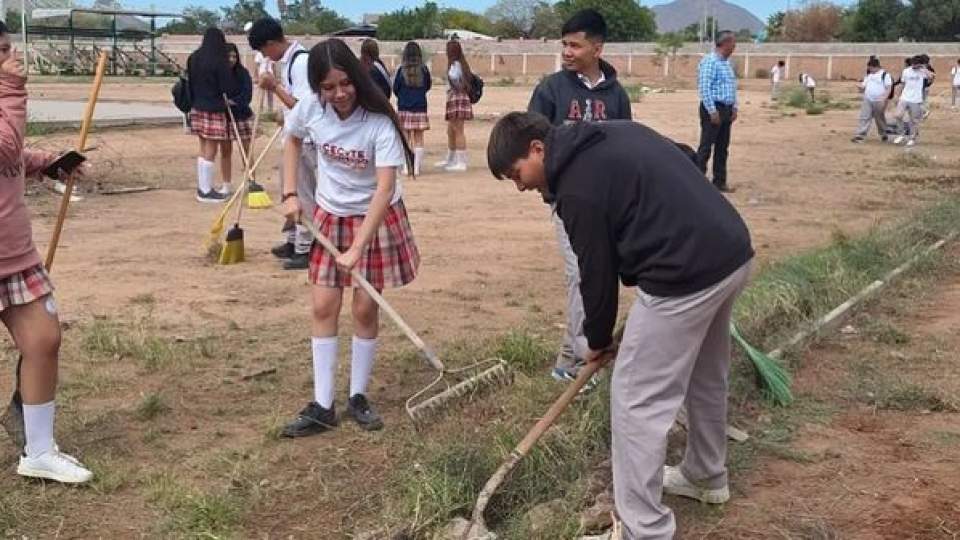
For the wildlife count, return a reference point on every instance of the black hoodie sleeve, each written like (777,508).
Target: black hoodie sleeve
(625,106)
(593,242)
(542,102)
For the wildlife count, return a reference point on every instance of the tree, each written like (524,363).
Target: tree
(244,11)
(872,20)
(667,45)
(547,22)
(693,31)
(12,20)
(513,18)
(195,20)
(626,19)
(406,24)
(774,28)
(930,20)
(815,22)
(308,17)
(465,20)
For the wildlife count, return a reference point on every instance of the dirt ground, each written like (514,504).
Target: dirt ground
(131,269)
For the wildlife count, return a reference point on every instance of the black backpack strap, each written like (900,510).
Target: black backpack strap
(293,60)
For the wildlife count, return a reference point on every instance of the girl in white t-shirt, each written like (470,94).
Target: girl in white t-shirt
(955,75)
(459,108)
(360,208)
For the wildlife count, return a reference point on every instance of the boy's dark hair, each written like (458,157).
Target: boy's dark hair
(873,62)
(3,30)
(264,30)
(588,21)
(510,140)
(781,63)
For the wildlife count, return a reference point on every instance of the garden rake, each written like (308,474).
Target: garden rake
(487,373)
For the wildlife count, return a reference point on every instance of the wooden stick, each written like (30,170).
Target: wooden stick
(377,297)
(243,155)
(81,145)
(522,449)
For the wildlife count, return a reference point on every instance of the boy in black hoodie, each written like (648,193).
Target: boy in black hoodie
(585,90)
(635,207)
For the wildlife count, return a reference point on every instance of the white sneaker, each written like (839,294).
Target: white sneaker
(911,142)
(456,167)
(446,162)
(899,139)
(54,465)
(675,483)
(225,189)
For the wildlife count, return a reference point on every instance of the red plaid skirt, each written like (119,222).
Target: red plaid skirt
(216,126)
(25,287)
(458,106)
(390,260)
(414,121)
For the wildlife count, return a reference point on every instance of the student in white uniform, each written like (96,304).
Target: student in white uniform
(777,74)
(955,75)
(266,36)
(808,82)
(876,87)
(358,146)
(910,108)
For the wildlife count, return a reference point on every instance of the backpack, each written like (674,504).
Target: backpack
(293,60)
(182,96)
(476,89)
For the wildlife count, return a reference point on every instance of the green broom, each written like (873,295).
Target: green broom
(773,379)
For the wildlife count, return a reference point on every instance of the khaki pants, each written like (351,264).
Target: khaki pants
(675,351)
(574,342)
(298,235)
(872,111)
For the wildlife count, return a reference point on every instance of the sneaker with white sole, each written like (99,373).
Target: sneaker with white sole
(899,139)
(54,465)
(225,189)
(458,166)
(911,143)
(675,483)
(213,196)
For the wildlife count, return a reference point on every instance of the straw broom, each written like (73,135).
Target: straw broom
(257,198)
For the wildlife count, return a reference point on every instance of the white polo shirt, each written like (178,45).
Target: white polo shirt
(912,85)
(349,152)
(876,86)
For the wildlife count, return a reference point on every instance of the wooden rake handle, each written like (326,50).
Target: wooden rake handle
(531,438)
(85,125)
(378,298)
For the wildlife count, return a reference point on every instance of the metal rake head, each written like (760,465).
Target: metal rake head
(495,375)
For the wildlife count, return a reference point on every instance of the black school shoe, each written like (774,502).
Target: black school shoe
(283,251)
(313,419)
(363,413)
(299,261)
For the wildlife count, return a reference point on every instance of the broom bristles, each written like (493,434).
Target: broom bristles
(232,251)
(258,200)
(773,378)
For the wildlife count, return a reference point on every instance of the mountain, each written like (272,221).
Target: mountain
(679,14)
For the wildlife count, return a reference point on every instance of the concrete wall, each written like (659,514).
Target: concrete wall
(532,59)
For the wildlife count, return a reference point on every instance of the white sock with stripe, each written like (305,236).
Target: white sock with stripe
(324,370)
(361,364)
(38,428)
(207,170)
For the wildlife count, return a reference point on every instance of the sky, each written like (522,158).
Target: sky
(354,9)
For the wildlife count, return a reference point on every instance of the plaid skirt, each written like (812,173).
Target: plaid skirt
(25,287)
(458,106)
(414,121)
(390,260)
(216,126)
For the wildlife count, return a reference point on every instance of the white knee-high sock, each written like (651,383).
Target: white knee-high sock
(324,370)
(38,425)
(361,364)
(417,160)
(206,174)
(461,158)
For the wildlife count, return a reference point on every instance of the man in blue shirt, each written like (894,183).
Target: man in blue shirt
(717,84)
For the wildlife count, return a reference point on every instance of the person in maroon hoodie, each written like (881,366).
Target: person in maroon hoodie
(27,307)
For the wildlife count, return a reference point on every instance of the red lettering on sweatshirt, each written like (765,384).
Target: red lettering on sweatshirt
(355,159)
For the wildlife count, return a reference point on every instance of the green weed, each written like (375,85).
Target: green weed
(150,407)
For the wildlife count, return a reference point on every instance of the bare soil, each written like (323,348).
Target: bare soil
(132,268)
